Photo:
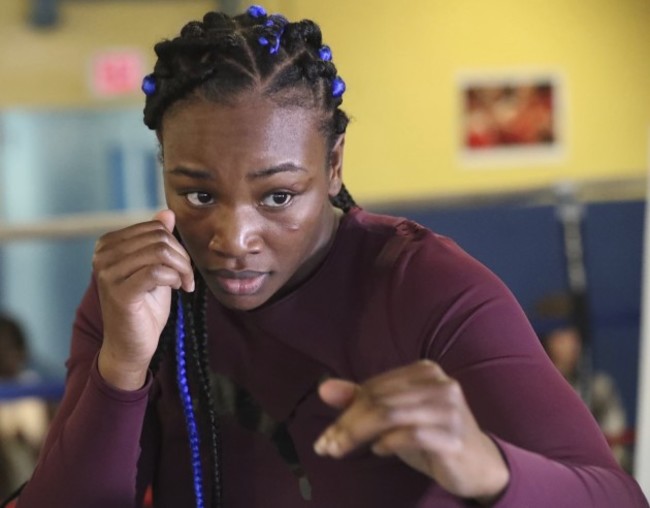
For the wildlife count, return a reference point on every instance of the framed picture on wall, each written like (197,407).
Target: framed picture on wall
(514,116)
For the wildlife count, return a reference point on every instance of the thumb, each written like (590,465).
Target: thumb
(167,218)
(338,393)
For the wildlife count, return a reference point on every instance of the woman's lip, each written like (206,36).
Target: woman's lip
(240,283)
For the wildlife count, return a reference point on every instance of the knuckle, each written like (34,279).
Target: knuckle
(100,245)
(455,444)
(154,271)
(345,437)
(104,280)
(96,262)
(454,392)
(385,412)
(102,277)
(100,249)
(105,239)
(162,250)
(161,231)
(418,436)
(376,406)
(455,422)
(367,395)
(429,368)
(160,234)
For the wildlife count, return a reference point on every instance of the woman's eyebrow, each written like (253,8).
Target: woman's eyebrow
(203,174)
(198,174)
(281,168)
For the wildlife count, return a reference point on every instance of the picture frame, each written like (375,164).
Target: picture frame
(515,117)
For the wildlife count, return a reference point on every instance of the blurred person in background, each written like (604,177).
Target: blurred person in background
(23,421)
(564,347)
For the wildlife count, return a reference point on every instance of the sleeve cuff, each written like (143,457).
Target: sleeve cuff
(118,394)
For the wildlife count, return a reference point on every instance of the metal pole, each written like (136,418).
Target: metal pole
(570,212)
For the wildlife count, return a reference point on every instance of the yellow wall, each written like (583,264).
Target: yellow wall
(401,63)
(50,67)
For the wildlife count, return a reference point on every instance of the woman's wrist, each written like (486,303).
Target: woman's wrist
(119,374)
(497,476)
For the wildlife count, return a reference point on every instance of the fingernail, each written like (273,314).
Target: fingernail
(334,448)
(192,286)
(320,446)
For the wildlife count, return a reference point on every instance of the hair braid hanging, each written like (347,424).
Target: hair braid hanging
(200,355)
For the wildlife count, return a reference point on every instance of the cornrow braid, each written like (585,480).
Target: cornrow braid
(343,200)
(194,311)
(195,325)
(199,343)
(222,57)
(182,379)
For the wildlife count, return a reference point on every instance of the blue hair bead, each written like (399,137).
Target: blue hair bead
(325,53)
(275,25)
(149,85)
(256,11)
(338,87)
(188,409)
(276,47)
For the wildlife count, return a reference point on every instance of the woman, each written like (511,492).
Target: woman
(266,342)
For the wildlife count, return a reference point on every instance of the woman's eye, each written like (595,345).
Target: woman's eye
(199,198)
(277,199)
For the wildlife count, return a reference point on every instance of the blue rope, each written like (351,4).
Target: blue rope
(186,399)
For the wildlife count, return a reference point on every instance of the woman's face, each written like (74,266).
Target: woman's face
(250,186)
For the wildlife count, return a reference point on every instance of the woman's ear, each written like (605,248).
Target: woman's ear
(335,169)
(160,145)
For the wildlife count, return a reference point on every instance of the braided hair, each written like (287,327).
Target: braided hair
(221,57)
(218,59)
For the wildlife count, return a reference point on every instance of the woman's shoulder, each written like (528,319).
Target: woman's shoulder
(416,262)
(398,240)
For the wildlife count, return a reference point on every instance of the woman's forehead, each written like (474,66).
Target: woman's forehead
(246,108)
(256,124)
(258,131)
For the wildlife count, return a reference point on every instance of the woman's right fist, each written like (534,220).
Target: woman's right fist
(136,269)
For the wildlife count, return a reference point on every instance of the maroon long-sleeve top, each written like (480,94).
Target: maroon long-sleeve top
(389,293)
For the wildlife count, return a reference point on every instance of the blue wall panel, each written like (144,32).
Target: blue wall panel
(524,247)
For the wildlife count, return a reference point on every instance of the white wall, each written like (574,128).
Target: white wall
(642,451)
(57,163)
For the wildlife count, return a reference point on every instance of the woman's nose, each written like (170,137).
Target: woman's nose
(237,233)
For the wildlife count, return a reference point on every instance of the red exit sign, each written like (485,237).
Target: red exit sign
(116,73)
